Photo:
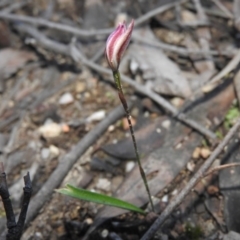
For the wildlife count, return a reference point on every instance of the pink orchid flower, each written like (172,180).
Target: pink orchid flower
(117,43)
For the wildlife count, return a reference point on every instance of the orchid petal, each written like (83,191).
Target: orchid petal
(117,43)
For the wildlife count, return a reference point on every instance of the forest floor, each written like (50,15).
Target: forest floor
(61,119)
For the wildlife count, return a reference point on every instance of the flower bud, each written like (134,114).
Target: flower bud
(117,43)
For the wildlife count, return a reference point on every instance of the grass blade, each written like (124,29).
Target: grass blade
(86,195)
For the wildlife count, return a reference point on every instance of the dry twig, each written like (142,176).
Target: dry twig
(226,70)
(223,8)
(221,168)
(93,33)
(14,229)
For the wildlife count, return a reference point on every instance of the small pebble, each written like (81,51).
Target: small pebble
(54,151)
(103,184)
(104,233)
(134,66)
(111,128)
(80,87)
(178,146)
(175,192)
(205,153)
(166,124)
(212,190)
(45,153)
(127,134)
(165,198)
(97,116)
(129,166)
(190,166)
(65,128)
(89,221)
(50,130)
(177,102)
(196,153)
(38,235)
(146,114)
(66,98)
(48,121)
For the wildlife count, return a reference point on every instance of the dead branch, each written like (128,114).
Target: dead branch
(156,11)
(223,8)
(208,11)
(221,168)
(81,32)
(227,69)
(169,209)
(15,6)
(14,229)
(179,50)
(93,33)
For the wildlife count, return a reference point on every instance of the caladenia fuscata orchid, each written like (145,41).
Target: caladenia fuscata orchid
(116,45)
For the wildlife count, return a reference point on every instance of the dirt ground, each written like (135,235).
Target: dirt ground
(61,119)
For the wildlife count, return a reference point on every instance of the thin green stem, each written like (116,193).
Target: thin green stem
(117,78)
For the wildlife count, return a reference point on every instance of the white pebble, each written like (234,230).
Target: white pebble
(175,192)
(89,221)
(54,151)
(129,166)
(48,121)
(45,153)
(104,233)
(97,116)
(134,66)
(191,166)
(38,235)
(111,128)
(165,198)
(50,130)
(66,98)
(146,114)
(103,184)
(166,124)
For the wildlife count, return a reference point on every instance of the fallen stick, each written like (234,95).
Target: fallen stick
(15,229)
(80,32)
(103,32)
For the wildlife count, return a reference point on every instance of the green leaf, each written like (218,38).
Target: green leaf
(86,195)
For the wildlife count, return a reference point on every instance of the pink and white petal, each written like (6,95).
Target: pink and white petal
(111,42)
(122,43)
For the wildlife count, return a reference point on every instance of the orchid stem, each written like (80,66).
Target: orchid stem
(117,78)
